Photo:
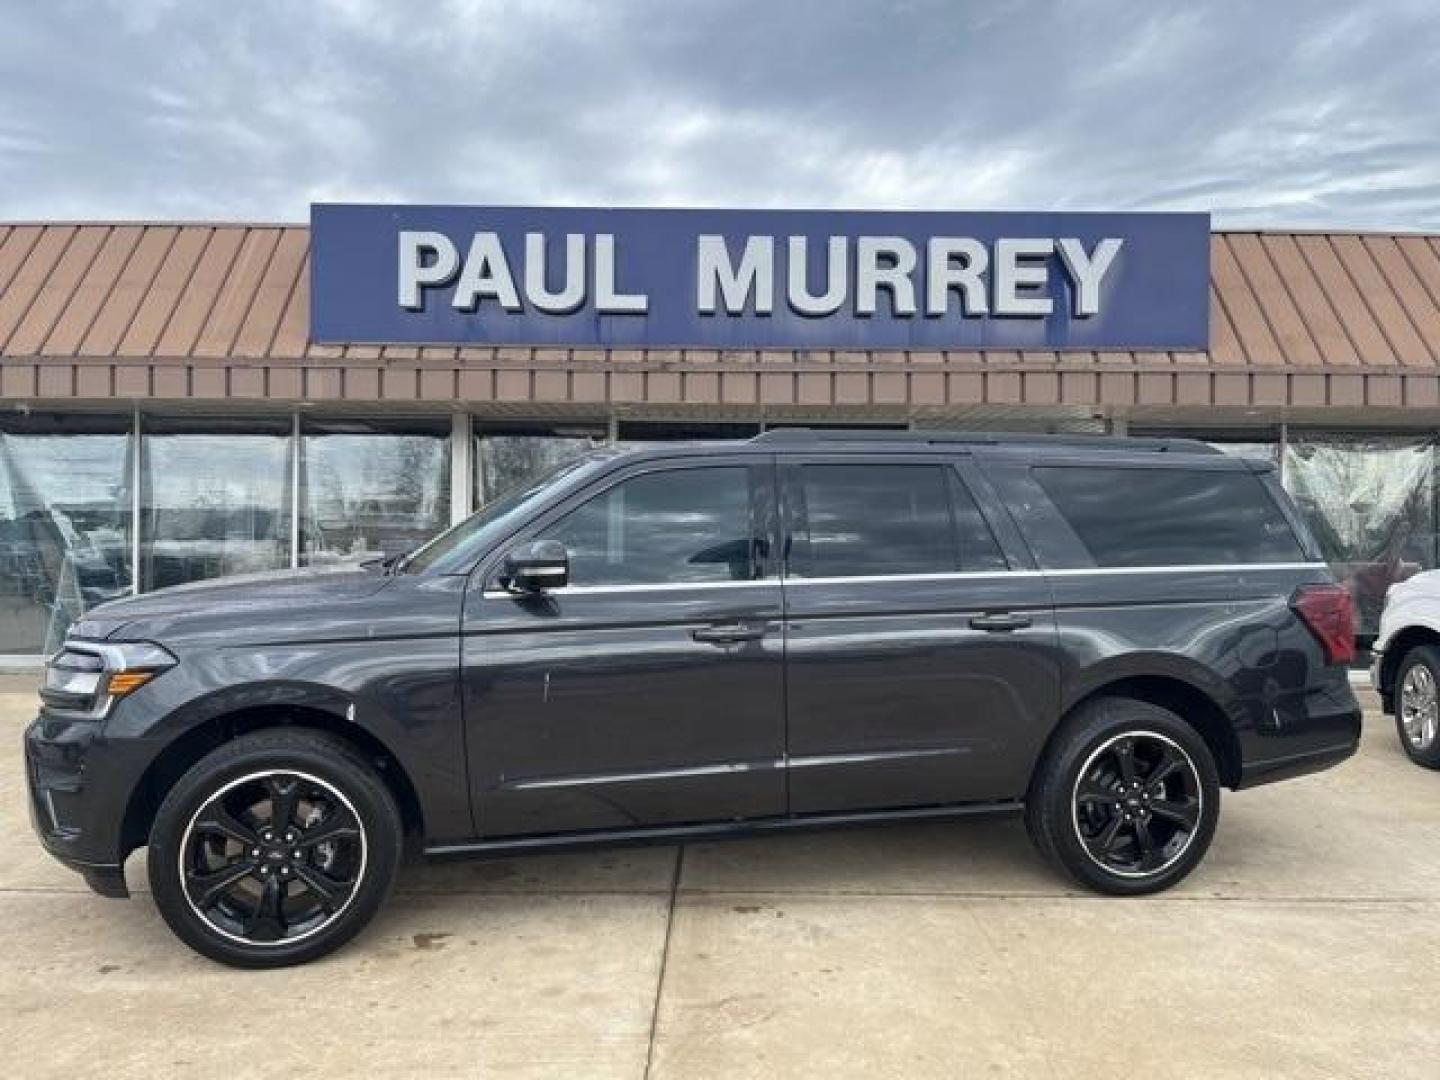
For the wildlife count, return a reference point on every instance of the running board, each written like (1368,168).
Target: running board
(669,834)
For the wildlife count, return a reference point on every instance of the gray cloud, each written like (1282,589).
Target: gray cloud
(1302,113)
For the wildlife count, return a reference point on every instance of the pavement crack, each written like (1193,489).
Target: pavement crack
(664,960)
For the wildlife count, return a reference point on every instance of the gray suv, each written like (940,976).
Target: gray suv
(801,630)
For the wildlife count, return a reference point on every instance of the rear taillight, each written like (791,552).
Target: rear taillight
(1329,613)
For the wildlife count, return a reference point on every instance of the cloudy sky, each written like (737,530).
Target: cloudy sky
(1310,112)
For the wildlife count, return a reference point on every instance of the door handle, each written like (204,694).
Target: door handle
(999,622)
(727,633)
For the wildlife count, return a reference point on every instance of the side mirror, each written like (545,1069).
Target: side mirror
(536,566)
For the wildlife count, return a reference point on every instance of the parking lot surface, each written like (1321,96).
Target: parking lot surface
(1307,945)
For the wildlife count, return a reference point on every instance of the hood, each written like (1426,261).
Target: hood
(1426,583)
(245,595)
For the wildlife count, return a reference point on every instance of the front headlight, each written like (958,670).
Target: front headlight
(88,677)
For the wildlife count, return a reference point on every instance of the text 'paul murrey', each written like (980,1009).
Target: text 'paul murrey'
(941,276)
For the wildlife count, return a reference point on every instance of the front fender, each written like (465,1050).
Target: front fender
(404,694)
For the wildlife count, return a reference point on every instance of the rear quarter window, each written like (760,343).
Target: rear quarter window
(1170,517)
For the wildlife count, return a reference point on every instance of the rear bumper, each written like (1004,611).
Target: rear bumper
(1323,735)
(1302,764)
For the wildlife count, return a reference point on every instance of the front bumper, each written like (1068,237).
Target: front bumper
(79,791)
(1387,694)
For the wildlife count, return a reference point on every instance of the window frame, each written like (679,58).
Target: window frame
(955,468)
(1071,552)
(764,527)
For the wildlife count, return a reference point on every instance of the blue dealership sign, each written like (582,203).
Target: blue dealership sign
(758,278)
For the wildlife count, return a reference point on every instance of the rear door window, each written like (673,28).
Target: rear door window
(865,520)
(1129,517)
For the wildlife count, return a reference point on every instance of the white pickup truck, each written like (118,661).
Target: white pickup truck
(1406,666)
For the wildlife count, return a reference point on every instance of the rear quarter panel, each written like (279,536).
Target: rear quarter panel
(1228,632)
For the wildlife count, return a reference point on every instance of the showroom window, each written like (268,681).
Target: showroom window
(65,521)
(1370,504)
(371,489)
(507,457)
(215,498)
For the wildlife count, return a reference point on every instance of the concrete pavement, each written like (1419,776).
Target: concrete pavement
(1305,946)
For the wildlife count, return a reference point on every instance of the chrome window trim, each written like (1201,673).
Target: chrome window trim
(959,575)
(1190,568)
(1083,571)
(649,586)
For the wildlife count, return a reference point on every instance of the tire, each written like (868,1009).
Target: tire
(253,898)
(1083,789)
(1420,739)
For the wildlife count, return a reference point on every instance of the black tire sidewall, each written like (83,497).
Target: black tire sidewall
(328,759)
(1429,656)
(1049,810)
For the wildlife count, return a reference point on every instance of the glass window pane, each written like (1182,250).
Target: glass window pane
(370,494)
(64,530)
(213,504)
(877,519)
(511,460)
(1170,517)
(1260,451)
(664,527)
(979,550)
(641,432)
(1369,502)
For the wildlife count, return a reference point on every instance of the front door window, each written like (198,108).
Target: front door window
(673,527)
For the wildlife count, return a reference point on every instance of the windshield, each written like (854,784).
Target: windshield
(457,547)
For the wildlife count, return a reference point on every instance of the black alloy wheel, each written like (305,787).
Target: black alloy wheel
(1137,803)
(273,857)
(1126,797)
(275,849)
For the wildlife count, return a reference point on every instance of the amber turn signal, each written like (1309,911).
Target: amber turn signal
(123,682)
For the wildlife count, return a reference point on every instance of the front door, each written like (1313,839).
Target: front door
(922,664)
(650,689)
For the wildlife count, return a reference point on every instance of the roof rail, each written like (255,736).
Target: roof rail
(802,436)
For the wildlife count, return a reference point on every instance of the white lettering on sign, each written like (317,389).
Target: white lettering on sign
(485,276)
(802,300)
(884,262)
(1019,265)
(570,296)
(1087,271)
(755,274)
(607,300)
(426,258)
(1010,277)
(958,263)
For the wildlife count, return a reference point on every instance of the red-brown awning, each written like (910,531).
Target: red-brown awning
(1316,324)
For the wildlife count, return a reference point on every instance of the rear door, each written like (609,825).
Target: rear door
(921,656)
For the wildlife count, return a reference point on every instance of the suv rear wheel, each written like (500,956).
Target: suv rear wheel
(1126,799)
(1417,708)
(275,849)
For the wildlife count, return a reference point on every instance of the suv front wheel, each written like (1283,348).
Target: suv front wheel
(1126,798)
(274,849)
(1417,705)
